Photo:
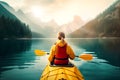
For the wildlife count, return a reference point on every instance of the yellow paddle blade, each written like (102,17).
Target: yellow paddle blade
(39,52)
(87,57)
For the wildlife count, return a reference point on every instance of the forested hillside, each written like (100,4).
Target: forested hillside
(106,24)
(11,28)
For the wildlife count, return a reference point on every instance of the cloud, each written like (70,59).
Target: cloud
(44,2)
(55,5)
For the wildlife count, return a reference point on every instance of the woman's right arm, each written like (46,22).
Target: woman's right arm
(70,52)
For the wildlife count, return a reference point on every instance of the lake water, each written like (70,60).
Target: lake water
(18,61)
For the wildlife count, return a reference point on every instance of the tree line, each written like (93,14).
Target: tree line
(13,28)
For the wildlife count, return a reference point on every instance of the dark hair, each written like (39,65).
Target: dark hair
(61,35)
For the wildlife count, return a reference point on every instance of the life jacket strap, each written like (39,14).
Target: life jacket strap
(61,58)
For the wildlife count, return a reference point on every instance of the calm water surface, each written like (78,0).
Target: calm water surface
(18,61)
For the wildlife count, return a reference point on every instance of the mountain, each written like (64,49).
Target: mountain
(11,26)
(72,26)
(22,17)
(106,24)
(33,26)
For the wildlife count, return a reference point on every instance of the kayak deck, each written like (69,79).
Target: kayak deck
(61,73)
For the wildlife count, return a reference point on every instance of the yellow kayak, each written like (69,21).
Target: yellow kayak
(52,72)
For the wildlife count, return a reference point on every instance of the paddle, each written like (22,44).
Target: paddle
(40,52)
(84,56)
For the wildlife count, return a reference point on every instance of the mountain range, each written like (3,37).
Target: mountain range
(46,29)
(106,24)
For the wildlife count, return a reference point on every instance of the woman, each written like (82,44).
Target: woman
(61,51)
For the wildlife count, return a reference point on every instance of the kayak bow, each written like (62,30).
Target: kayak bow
(61,73)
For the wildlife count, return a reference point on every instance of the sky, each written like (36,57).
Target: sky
(62,11)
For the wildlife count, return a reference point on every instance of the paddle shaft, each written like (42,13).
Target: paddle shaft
(77,56)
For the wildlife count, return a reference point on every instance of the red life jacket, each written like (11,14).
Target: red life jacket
(61,57)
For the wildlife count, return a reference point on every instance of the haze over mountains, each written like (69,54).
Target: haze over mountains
(107,24)
(39,28)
